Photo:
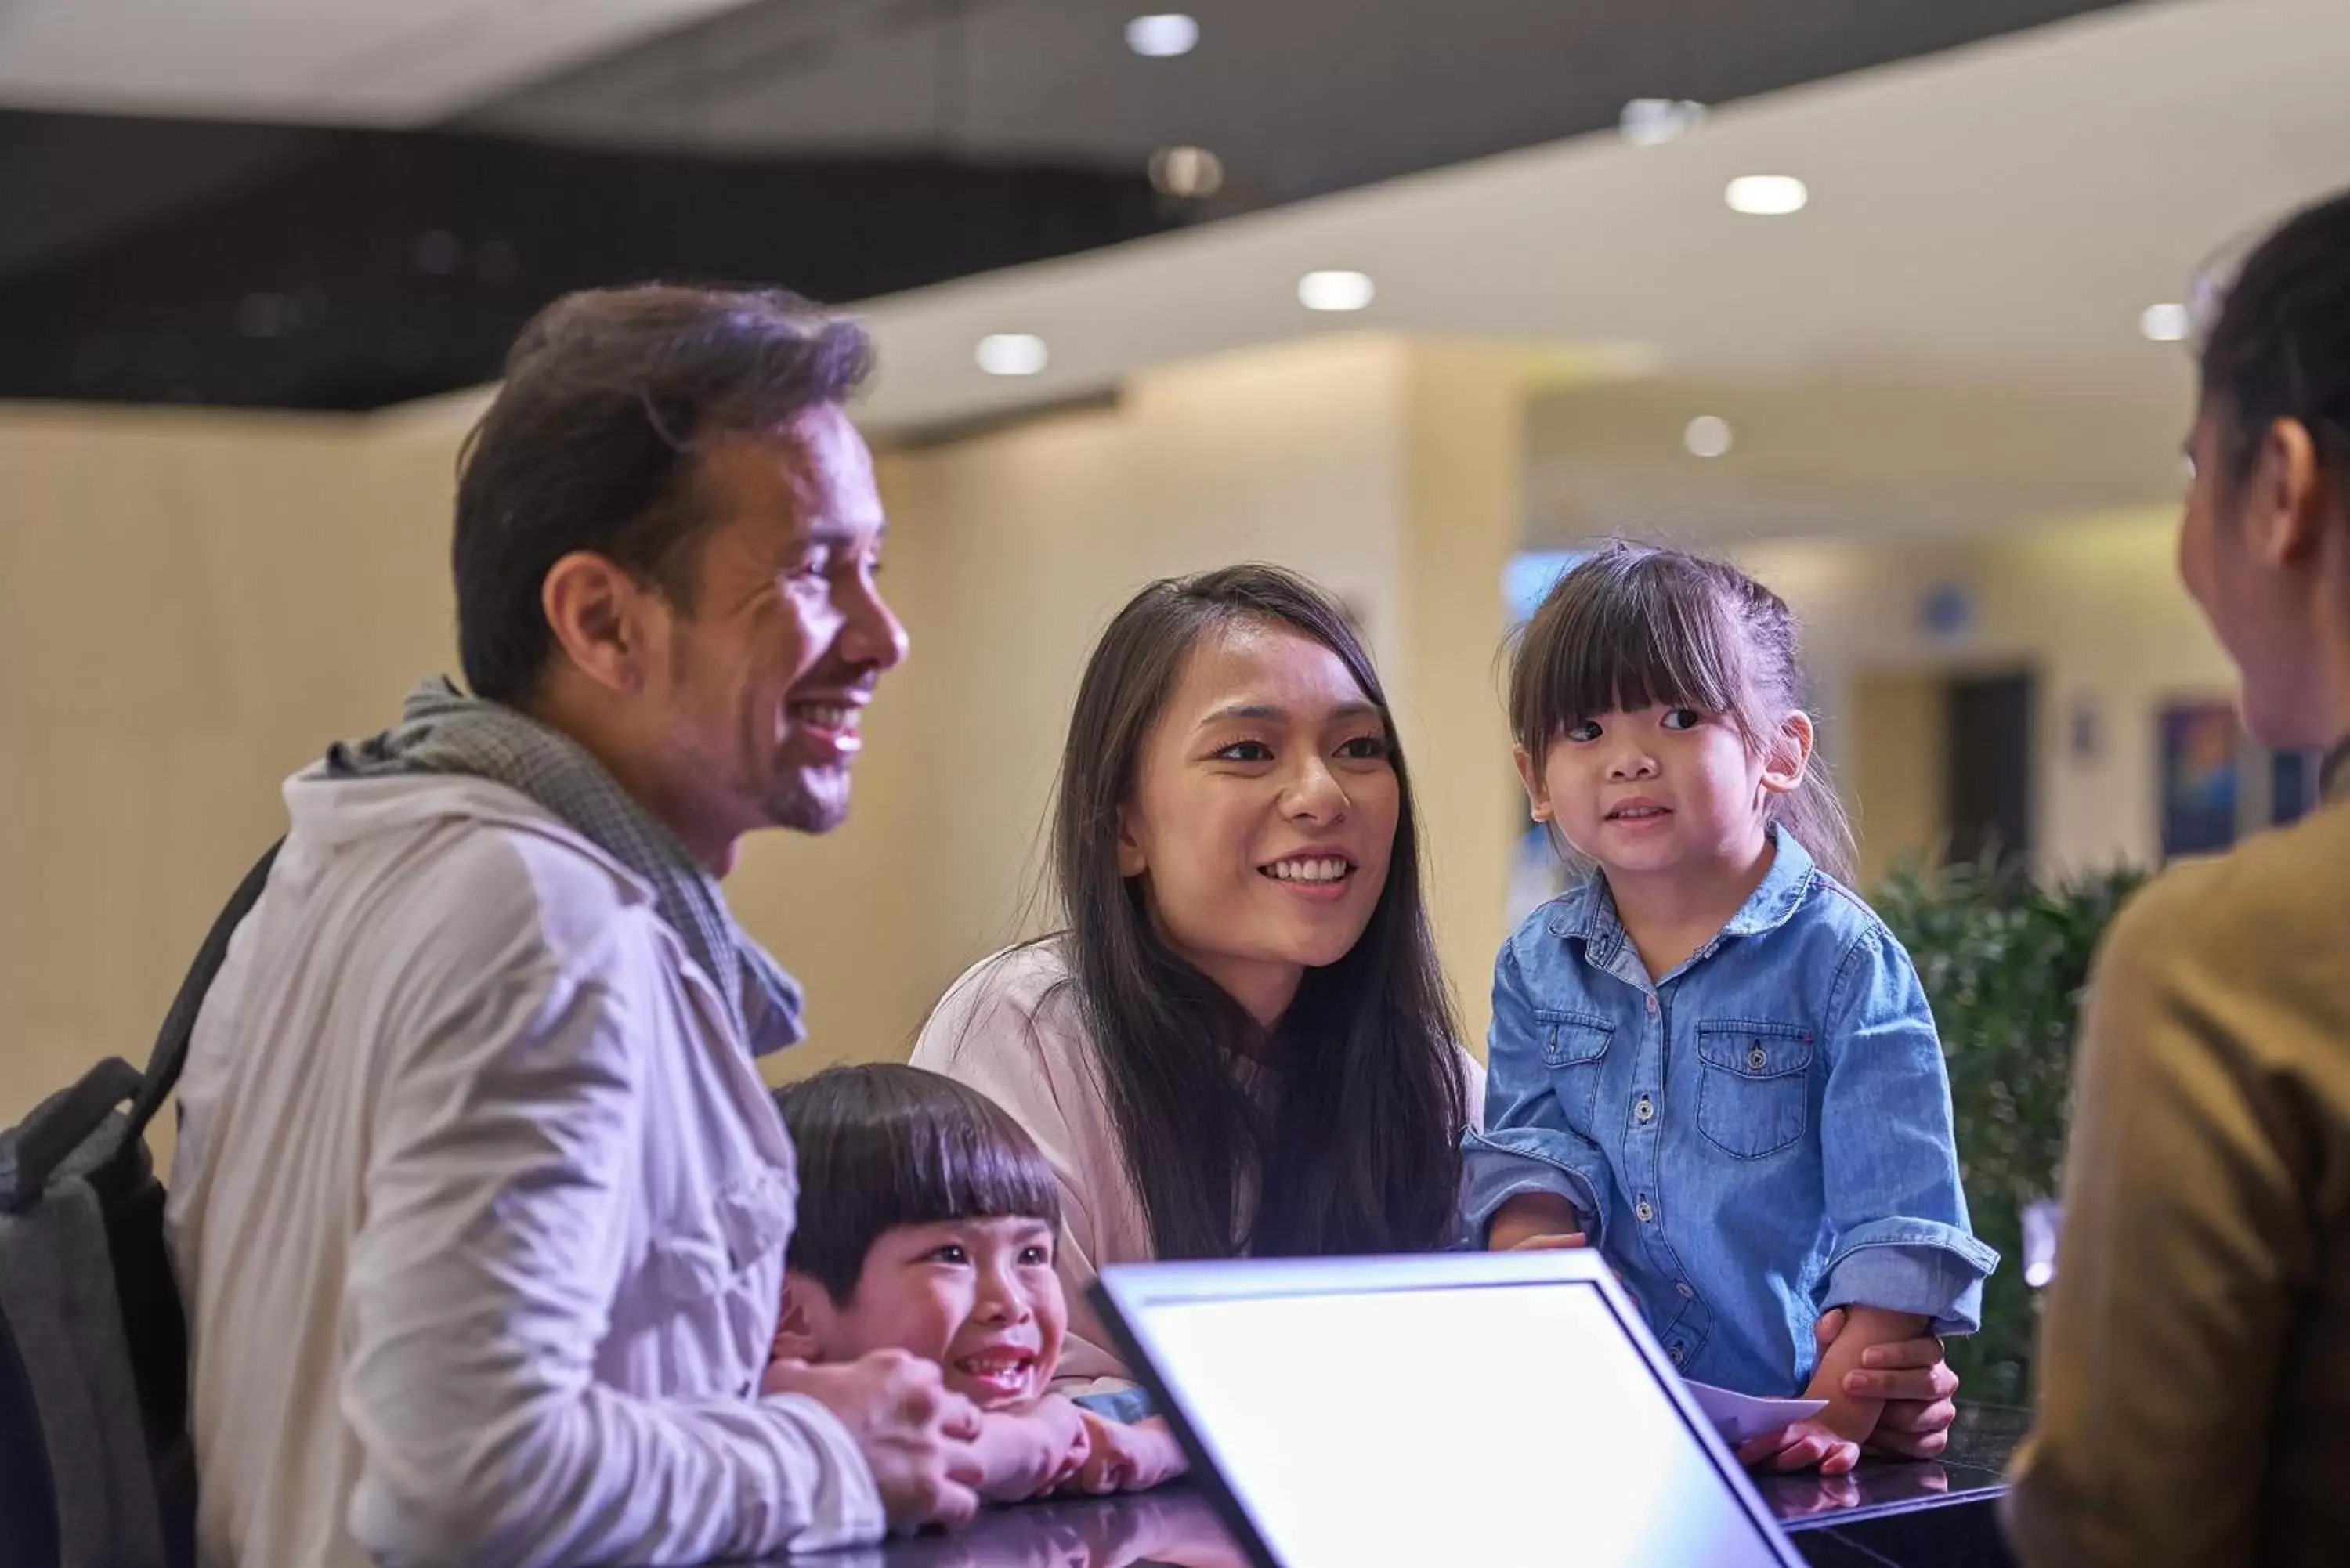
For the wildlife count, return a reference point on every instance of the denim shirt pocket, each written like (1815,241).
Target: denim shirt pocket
(1754,1085)
(1574,1045)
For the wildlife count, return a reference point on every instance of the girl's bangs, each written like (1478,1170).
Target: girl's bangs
(1648,639)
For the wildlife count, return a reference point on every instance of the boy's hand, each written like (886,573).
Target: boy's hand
(1072,1439)
(1128,1458)
(1027,1453)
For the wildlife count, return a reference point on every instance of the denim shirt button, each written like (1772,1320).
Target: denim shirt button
(1687,1289)
(1679,1352)
(1646,1110)
(1644,1211)
(1758,1058)
(1652,1002)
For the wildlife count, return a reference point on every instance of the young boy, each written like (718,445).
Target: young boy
(926,1223)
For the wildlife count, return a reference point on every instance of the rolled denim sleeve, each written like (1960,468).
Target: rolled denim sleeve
(1527,1145)
(1890,1156)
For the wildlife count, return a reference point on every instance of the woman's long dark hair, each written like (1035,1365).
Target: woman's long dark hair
(1353,1144)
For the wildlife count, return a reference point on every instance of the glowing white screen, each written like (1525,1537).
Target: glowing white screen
(1440,1424)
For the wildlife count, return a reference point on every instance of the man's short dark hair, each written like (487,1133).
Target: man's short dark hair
(883,1146)
(590,441)
(2280,348)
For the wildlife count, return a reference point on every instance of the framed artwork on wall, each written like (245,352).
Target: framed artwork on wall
(2218,786)
(2198,772)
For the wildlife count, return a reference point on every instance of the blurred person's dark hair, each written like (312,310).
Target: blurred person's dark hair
(883,1146)
(2276,340)
(590,441)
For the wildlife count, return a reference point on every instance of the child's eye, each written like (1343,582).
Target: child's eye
(1246,752)
(952,1252)
(1036,1257)
(1683,719)
(1587,731)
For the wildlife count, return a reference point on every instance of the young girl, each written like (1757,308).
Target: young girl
(1710,1059)
(928,1221)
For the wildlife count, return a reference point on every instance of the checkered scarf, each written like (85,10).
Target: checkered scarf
(442,730)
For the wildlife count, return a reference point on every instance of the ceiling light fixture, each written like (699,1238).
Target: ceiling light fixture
(2165,323)
(1011,354)
(1189,172)
(1653,121)
(1162,37)
(1767,195)
(1334,290)
(1708,435)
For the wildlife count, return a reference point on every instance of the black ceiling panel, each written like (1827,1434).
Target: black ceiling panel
(385,266)
(844,148)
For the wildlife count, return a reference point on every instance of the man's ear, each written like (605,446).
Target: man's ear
(796,1331)
(604,620)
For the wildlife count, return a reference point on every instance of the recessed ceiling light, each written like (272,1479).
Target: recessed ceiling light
(1011,354)
(1334,290)
(1192,171)
(2165,323)
(1162,37)
(1767,195)
(1653,121)
(1708,436)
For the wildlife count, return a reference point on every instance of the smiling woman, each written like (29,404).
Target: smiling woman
(1241,1043)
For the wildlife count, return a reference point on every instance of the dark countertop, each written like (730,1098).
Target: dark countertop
(1885,1515)
(1175,1526)
(1974,1469)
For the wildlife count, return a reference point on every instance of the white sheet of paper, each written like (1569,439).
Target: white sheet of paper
(1742,1418)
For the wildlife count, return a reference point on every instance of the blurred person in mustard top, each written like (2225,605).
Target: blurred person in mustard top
(2195,1359)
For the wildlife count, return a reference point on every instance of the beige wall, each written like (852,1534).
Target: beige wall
(194,606)
(1389,471)
(190,606)
(2094,605)
(1893,756)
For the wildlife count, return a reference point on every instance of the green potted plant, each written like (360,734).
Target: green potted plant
(2004,959)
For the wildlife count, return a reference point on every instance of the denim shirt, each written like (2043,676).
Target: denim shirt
(1762,1135)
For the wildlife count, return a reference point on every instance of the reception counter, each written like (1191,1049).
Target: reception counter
(1942,1514)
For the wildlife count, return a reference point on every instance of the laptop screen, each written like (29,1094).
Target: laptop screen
(1422,1421)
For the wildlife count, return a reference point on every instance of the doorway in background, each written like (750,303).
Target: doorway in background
(1940,766)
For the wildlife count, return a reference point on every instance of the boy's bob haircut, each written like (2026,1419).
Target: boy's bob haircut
(882,1145)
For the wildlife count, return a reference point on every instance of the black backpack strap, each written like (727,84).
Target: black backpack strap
(170,1052)
(61,1124)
